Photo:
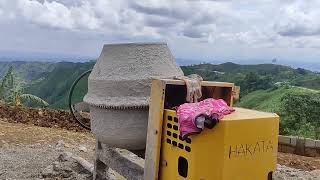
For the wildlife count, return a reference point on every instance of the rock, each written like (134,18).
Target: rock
(48,172)
(66,167)
(40,112)
(67,145)
(3,172)
(64,170)
(316,173)
(5,145)
(60,144)
(65,156)
(287,173)
(83,148)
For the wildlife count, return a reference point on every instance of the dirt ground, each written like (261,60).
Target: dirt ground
(299,162)
(26,150)
(32,138)
(40,117)
(16,133)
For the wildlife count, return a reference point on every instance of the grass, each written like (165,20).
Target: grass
(298,108)
(264,100)
(270,100)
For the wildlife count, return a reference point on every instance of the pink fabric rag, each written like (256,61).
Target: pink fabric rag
(188,112)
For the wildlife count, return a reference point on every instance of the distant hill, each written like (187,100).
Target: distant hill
(51,81)
(298,107)
(253,77)
(311,82)
(27,71)
(231,70)
(266,87)
(312,65)
(30,56)
(54,87)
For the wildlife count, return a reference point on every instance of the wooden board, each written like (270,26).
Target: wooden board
(203,83)
(156,109)
(152,155)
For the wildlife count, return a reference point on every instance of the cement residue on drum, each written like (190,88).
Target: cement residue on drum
(119,91)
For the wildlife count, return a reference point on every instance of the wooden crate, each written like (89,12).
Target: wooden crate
(168,93)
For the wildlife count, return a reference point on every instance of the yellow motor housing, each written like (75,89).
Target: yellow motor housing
(242,146)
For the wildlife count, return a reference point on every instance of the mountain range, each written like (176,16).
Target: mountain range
(293,93)
(52,80)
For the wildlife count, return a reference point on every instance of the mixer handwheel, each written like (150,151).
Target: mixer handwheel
(79,110)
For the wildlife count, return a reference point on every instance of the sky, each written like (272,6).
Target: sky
(194,29)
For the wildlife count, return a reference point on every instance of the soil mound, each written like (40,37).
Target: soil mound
(40,117)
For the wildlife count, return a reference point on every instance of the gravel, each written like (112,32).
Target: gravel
(44,161)
(38,161)
(65,168)
(287,173)
(25,162)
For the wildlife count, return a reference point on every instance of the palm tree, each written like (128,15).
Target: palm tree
(11,92)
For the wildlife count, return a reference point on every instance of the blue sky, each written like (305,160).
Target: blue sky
(203,29)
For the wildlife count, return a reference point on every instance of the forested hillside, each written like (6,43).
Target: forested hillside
(291,93)
(51,81)
(54,87)
(27,71)
(299,108)
(254,77)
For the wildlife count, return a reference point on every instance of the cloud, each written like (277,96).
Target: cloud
(299,19)
(167,8)
(57,15)
(218,28)
(182,18)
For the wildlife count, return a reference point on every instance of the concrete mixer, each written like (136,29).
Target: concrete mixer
(119,91)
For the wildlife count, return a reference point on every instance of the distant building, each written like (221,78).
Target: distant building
(218,72)
(274,60)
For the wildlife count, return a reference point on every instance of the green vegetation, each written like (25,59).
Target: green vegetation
(253,77)
(299,108)
(11,92)
(291,93)
(310,82)
(6,85)
(54,87)
(269,87)
(27,71)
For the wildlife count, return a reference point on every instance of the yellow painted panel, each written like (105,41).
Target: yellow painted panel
(242,146)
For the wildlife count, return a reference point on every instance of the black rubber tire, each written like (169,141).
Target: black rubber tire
(70,99)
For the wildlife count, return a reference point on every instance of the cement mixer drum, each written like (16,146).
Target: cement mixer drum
(119,91)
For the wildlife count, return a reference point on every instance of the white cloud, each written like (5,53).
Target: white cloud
(300,18)
(222,26)
(57,15)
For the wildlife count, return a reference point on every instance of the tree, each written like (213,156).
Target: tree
(253,81)
(11,92)
(301,112)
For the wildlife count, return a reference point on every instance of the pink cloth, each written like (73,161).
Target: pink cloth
(188,112)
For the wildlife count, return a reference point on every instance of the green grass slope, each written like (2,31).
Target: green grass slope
(266,100)
(298,108)
(308,82)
